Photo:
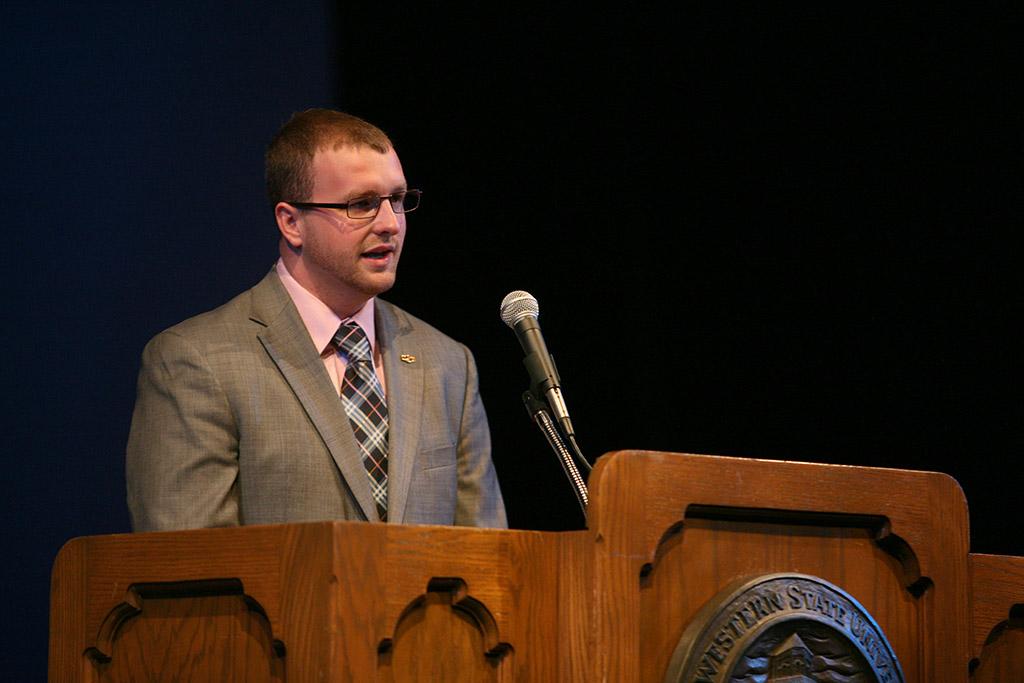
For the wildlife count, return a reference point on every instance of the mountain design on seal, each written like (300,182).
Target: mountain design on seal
(800,656)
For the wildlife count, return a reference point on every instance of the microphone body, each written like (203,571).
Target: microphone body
(519,310)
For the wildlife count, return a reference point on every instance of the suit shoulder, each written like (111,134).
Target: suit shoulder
(212,324)
(261,305)
(404,325)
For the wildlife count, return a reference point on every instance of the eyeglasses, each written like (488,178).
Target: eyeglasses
(368,207)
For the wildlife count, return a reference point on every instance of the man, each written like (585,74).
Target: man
(272,407)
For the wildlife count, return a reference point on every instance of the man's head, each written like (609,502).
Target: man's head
(290,154)
(343,256)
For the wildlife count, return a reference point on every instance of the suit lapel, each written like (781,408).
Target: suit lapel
(286,340)
(405,403)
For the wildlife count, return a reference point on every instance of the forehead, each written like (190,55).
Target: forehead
(348,169)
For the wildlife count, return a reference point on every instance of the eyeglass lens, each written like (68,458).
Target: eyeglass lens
(401,202)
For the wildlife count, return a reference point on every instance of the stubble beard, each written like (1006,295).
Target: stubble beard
(348,280)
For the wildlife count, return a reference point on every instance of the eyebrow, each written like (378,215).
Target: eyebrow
(371,193)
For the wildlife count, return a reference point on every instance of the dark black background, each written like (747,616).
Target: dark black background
(783,233)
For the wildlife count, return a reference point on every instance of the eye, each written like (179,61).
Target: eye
(363,205)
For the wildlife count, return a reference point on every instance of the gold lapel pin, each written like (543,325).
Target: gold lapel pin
(407,358)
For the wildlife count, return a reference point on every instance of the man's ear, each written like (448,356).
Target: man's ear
(287,217)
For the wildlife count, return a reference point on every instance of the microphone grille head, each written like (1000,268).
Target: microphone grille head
(518,305)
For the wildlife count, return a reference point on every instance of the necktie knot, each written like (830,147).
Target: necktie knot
(352,341)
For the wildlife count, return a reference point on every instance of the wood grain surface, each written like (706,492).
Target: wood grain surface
(341,601)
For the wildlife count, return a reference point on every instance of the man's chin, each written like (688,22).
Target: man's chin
(378,283)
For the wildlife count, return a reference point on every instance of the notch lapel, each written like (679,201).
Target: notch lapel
(286,340)
(405,404)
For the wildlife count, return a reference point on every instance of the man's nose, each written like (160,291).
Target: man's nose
(387,220)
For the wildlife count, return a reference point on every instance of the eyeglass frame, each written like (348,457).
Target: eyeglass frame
(344,205)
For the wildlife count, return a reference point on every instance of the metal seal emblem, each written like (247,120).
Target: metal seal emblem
(783,628)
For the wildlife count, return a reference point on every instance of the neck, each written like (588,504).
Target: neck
(343,304)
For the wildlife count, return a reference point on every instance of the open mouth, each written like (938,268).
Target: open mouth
(379,253)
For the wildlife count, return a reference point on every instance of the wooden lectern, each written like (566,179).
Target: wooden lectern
(692,568)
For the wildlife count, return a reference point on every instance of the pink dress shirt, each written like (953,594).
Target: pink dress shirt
(322,324)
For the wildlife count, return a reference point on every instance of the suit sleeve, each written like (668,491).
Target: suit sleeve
(479,496)
(182,456)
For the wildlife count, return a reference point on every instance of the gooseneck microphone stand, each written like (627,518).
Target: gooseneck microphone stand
(571,463)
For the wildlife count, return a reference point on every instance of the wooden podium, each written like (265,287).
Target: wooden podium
(692,568)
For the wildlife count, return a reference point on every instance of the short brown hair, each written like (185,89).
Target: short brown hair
(290,154)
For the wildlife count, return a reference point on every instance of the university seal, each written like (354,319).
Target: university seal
(783,628)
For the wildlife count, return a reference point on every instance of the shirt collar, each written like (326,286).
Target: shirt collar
(321,322)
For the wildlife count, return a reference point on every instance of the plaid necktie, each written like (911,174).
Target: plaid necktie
(363,398)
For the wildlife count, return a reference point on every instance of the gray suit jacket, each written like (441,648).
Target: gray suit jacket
(237,422)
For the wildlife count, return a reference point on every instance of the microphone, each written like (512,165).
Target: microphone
(519,310)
